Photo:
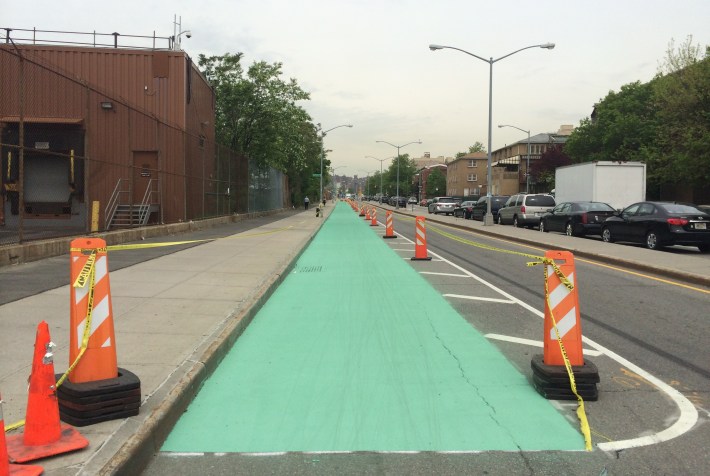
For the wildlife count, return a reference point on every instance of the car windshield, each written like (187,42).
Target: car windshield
(446,200)
(680,208)
(499,200)
(540,201)
(595,207)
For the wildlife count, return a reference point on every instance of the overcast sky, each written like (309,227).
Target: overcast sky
(367,62)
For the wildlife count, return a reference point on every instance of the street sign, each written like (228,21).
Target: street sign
(316,175)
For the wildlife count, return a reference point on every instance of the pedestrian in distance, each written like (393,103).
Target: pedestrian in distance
(306,201)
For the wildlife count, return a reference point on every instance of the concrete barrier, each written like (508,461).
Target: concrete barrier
(40,249)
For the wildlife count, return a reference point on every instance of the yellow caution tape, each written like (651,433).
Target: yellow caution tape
(87,275)
(581,414)
(85,272)
(87,326)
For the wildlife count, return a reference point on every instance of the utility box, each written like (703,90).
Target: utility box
(617,183)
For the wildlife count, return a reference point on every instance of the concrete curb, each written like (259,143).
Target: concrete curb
(135,454)
(686,277)
(40,249)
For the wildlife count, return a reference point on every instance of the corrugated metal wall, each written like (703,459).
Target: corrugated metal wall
(158,102)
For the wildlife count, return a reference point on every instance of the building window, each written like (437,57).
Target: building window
(472,177)
(472,163)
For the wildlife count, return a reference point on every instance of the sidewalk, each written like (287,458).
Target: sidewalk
(681,263)
(174,316)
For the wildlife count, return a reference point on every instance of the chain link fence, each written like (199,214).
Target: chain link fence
(96,139)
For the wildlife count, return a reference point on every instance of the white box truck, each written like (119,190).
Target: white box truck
(617,183)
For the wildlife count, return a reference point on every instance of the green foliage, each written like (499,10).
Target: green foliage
(257,116)
(435,180)
(542,172)
(476,147)
(664,123)
(407,169)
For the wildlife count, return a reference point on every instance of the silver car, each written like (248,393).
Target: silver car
(525,209)
(442,205)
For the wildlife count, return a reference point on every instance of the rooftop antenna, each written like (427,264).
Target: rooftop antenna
(178,32)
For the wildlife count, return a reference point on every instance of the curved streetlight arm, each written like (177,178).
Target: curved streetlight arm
(398,156)
(527,158)
(399,146)
(514,127)
(488,219)
(323,133)
(548,46)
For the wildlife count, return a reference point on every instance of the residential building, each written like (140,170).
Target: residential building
(510,163)
(467,175)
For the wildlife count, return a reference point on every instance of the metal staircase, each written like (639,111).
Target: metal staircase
(121,213)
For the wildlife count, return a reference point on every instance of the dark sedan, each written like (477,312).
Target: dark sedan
(659,224)
(577,218)
(481,207)
(465,210)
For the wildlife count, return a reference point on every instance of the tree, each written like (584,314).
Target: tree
(257,116)
(664,123)
(436,180)
(407,169)
(476,147)
(542,171)
(623,127)
(681,93)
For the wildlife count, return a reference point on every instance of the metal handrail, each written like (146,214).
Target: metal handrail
(147,201)
(115,201)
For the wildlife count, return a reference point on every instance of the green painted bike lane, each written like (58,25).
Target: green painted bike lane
(355,351)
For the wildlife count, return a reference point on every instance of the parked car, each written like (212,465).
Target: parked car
(577,218)
(442,205)
(481,207)
(525,209)
(398,201)
(424,202)
(412,201)
(659,224)
(465,209)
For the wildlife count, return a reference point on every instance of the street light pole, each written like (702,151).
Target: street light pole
(398,147)
(527,167)
(322,155)
(381,161)
(489,177)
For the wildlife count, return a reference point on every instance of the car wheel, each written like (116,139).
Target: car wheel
(704,248)
(569,229)
(652,241)
(543,228)
(606,235)
(515,221)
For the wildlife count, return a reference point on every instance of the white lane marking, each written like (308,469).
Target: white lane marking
(535,343)
(444,274)
(688,413)
(477,298)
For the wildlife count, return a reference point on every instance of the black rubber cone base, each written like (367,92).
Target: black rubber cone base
(82,404)
(552,381)
(390,236)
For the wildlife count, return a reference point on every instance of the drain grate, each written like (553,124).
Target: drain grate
(310,269)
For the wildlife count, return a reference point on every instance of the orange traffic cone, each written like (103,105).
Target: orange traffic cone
(563,336)
(90,295)
(389,226)
(362,211)
(374,217)
(563,304)
(44,435)
(420,252)
(7,469)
